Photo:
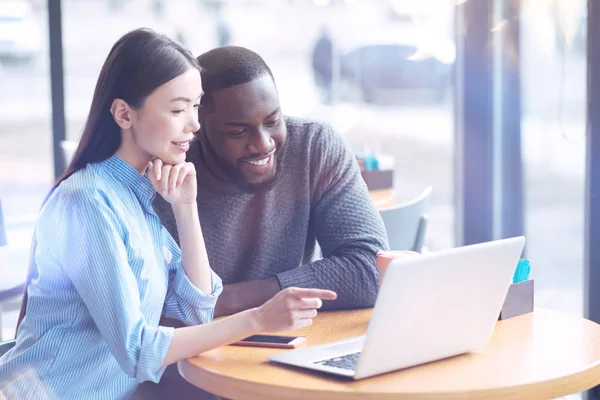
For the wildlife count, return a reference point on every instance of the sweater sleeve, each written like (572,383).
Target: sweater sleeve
(348,227)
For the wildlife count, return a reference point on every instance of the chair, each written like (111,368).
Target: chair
(406,223)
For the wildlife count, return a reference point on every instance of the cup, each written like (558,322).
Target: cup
(385,257)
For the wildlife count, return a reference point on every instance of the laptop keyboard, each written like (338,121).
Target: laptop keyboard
(345,362)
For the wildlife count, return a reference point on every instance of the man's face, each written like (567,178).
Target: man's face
(246,132)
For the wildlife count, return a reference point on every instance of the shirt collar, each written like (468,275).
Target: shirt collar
(123,172)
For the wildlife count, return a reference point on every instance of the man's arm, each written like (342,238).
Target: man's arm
(234,297)
(241,296)
(348,227)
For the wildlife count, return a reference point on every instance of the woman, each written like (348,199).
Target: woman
(103,269)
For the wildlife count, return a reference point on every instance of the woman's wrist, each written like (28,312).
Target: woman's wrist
(254,320)
(185,210)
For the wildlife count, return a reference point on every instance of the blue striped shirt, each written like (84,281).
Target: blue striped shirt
(104,271)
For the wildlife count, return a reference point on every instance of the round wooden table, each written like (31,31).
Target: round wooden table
(383,198)
(540,355)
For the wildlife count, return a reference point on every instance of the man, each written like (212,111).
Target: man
(269,186)
(322,64)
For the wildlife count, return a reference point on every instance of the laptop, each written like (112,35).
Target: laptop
(430,307)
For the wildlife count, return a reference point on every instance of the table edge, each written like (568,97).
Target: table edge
(233,388)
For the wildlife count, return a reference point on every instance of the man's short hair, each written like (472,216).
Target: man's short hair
(229,66)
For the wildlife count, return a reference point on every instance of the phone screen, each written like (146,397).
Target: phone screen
(269,339)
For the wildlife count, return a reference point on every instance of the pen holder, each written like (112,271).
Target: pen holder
(518,301)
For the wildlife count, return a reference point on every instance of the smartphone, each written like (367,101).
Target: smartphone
(274,341)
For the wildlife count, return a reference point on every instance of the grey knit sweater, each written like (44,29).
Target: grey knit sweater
(320,195)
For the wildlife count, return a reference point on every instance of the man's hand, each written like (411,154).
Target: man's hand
(241,296)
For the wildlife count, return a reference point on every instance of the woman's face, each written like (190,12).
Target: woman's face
(165,123)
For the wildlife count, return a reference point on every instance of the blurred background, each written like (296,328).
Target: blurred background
(380,71)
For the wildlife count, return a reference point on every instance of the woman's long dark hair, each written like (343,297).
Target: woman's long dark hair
(138,63)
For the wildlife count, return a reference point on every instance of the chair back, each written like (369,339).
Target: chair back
(406,224)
